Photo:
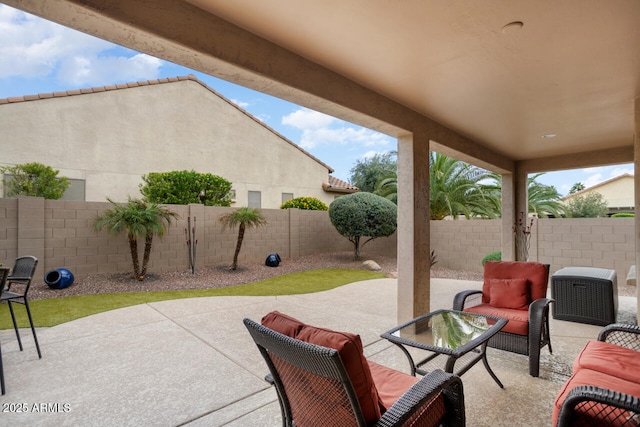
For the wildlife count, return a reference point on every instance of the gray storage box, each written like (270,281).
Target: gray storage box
(585,295)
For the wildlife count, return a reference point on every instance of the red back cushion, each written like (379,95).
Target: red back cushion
(536,273)
(282,323)
(509,293)
(351,352)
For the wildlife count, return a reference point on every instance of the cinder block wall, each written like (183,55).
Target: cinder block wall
(461,244)
(573,242)
(59,233)
(587,242)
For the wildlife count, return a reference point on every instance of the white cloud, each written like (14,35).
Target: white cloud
(593,169)
(239,103)
(305,119)
(35,48)
(319,129)
(600,174)
(621,170)
(370,154)
(593,180)
(83,70)
(342,136)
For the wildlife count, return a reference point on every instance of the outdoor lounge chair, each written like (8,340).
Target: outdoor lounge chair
(604,388)
(322,378)
(516,291)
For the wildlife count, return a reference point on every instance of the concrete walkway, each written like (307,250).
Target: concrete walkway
(191,362)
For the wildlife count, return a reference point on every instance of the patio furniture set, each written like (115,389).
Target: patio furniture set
(322,377)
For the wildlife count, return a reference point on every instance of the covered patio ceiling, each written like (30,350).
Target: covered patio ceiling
(502,73)
(551,84)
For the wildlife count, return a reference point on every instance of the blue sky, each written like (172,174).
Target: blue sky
(38,56)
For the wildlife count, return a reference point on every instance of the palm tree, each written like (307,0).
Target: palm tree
(244,218)
(457,189)
(387,187)
(578,186)
(138,219)
(544,200)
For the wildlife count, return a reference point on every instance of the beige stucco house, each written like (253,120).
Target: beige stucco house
(617,192)
(104,139)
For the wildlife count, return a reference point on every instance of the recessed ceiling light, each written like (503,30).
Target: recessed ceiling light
(549,135)
(512,27)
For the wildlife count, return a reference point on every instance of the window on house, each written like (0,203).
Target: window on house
(286,197)
(76,190)
(255,199)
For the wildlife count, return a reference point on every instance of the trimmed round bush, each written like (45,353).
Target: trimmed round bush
(305,203)
(493,256)
(363,215)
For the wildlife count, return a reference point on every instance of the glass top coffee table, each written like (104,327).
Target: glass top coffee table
(449,333)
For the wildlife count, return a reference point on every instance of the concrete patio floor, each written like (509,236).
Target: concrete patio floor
(191,362)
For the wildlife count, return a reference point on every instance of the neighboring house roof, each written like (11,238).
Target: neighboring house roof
(123,86)
(339,186)
(618,192)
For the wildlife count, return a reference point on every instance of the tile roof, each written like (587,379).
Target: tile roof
(339,186)
(191,77)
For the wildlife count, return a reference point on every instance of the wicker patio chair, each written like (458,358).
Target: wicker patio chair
(599,405)
(519,295)
(315,389)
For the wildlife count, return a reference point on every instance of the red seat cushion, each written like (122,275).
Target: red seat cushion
(609,359)
(537,275)
(518,320)
(391,384)
(509,293)
(351,352)
(599,379)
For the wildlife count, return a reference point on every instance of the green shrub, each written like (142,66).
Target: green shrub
(305,203)
(623,215)
(36,180)
(363,215)
(493,256)
(591,205)
(185,187)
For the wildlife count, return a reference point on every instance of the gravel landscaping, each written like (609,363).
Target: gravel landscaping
(221,276)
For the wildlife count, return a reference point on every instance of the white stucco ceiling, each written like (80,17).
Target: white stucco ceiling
(572,69)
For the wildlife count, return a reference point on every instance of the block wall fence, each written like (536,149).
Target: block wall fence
(59,234)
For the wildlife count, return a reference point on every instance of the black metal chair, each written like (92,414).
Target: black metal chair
(15,291)
(314,388)
(4,272)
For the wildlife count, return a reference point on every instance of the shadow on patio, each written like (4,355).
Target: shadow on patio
(191,362)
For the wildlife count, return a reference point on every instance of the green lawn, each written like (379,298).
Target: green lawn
(54,311)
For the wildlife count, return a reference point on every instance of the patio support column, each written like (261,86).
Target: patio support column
(414,266)
(636,186)
(508,217)
(514,201)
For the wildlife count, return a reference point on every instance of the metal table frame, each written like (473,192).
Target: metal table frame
(477,344)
